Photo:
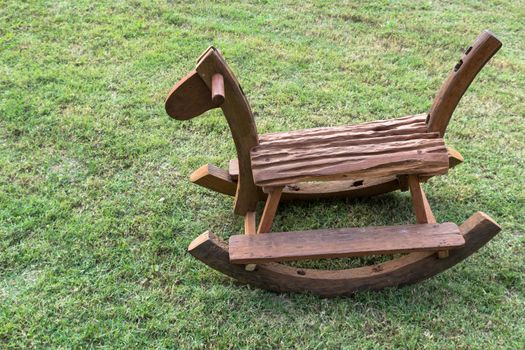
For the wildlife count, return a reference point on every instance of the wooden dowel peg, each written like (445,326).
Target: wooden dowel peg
(217,89)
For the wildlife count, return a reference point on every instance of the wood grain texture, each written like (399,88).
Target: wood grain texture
(404,125)
(408,269)
(341,243)
(458,81)
(376,149)
(238,113)
(454,158)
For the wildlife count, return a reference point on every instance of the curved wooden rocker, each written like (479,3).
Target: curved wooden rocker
(411,268)
(346,161)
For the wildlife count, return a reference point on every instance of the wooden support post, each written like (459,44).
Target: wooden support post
(250,229)
(422,207)
(270,208)
(419,200)
(249,223)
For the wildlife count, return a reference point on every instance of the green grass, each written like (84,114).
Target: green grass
(96,209)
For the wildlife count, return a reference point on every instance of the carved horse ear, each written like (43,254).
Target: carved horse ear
(191,97)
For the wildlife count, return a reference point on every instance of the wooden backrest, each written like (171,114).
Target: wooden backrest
(194,95)
(474,58)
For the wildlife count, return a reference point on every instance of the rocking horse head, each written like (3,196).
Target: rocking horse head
(191,96)
(211,85)
(204,88)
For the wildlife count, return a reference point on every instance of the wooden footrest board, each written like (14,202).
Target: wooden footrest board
(347,242)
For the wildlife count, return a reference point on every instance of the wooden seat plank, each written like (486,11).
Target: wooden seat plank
(377,149)
(347,242)
(404,123)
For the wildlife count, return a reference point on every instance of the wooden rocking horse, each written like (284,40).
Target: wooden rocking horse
(345,161)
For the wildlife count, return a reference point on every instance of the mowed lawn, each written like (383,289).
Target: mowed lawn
(96,209)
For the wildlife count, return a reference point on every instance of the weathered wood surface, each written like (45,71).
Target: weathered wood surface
(238,113)
(411,268)
(344,188)
(341,243)
(458,81)
(376,149)
(454,158)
